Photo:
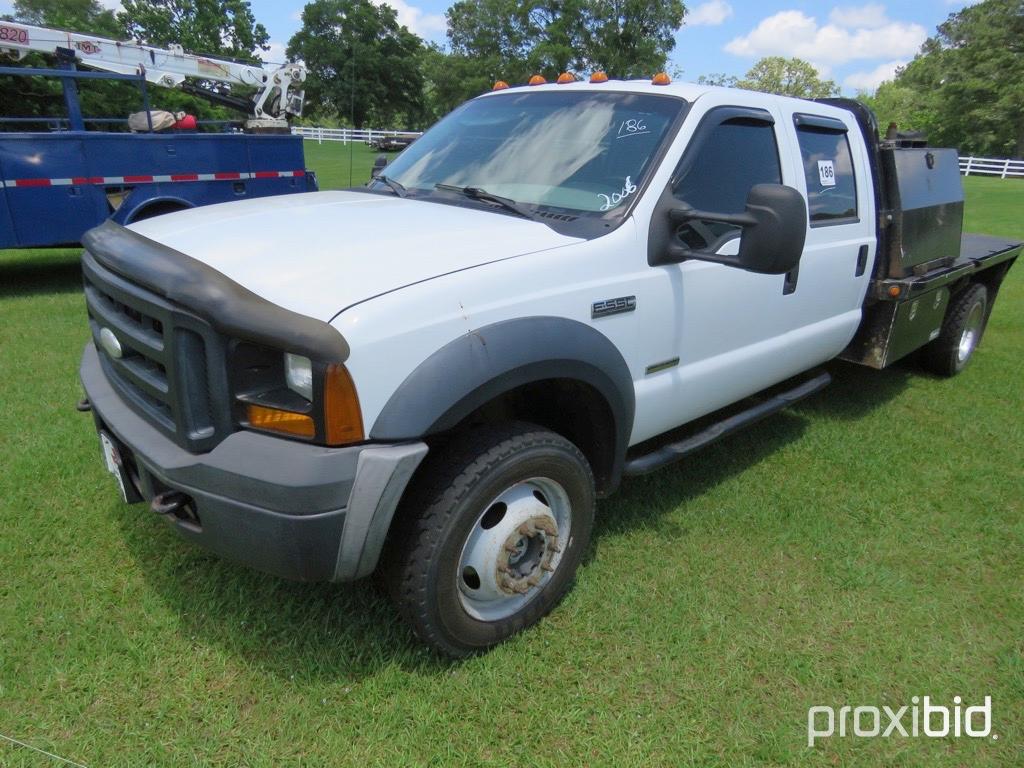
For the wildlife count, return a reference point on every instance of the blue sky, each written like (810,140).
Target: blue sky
(856,44)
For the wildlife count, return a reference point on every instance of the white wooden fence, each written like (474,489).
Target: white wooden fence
(979,166)
(345,135)
(988,166)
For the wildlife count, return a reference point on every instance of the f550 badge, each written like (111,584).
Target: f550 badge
(613,306)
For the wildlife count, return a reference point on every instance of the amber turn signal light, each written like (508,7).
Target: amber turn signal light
(598,77)
(276,420)
(343,418)
(537,80)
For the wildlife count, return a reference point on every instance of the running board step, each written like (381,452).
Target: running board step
(672,452)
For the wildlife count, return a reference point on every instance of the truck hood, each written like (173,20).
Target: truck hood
(321,252)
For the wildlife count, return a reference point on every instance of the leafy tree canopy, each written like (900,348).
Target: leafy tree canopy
(776,74)
(509,40)
(217,27)
(361,62)
(966,86)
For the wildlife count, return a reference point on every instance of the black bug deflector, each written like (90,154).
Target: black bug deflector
(229,307)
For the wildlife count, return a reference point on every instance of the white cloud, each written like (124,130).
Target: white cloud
(711,14)
(428,25)
(275,54)
(870,16)
(871,79)
(793,33)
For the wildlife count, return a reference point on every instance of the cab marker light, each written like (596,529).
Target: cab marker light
(566,77)
(500,85)
(661,78)
(537,80)
(599,77)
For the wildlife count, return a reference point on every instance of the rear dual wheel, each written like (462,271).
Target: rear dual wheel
(490,535)
(961,332)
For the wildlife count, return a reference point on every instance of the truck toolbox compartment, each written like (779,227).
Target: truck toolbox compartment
(926,201)
(893,329)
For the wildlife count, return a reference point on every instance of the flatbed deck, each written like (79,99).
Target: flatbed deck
(977,252)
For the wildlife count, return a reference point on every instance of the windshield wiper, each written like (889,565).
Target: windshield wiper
(475,193)
(397,188)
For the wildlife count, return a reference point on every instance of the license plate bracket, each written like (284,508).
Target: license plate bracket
(115,466)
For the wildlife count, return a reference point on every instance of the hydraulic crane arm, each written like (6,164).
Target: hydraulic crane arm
(279,91)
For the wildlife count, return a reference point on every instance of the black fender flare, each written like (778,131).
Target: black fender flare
(485,363)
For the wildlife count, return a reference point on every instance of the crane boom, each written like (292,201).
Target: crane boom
(279,91)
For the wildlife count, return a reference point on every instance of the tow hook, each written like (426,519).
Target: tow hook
(83,405)
(168,502)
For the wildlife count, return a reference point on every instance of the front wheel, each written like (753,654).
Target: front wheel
(489,538)
(961,332)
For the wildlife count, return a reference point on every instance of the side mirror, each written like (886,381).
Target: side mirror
(774,229)
(379,164)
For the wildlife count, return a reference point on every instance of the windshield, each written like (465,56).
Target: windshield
(581,153)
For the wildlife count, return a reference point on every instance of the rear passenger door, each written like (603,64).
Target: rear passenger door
(841,239)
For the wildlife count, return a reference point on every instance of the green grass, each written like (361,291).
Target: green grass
(864,547)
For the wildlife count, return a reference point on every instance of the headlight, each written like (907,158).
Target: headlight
(298,375)
(290,394)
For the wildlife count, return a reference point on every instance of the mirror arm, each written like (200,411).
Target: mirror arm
(685,213)
(678,253)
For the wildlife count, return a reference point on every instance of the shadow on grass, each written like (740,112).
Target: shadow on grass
(646,500)
(350,631)
(856,390)
(292,630)
(29,273)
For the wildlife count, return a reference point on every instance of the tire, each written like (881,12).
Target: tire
(961,332)
(479,550)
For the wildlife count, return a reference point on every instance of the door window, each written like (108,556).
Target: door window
(828,168)
(719,171)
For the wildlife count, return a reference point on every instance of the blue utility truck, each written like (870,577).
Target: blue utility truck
(60,176)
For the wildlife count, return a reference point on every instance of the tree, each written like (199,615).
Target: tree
(78,15)
(630,38)
(510,41)
(970,79)
(909,108)
(361,63)
(787,77)
(216,27)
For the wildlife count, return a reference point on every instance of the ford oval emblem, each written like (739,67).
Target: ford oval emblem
(110,343)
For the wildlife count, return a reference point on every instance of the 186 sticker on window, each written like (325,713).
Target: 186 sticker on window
(826,173)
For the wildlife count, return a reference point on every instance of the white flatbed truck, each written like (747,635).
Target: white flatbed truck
(435,376)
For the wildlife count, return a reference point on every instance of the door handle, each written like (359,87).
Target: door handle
(862,261)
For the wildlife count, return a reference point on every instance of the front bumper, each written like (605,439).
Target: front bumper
(296,510)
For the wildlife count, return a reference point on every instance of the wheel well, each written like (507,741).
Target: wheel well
(571,408)
(158,208)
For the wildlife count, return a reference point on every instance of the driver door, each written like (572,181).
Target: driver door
(737,332)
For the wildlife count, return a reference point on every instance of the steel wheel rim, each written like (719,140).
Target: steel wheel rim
(513,549)
(969,338)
